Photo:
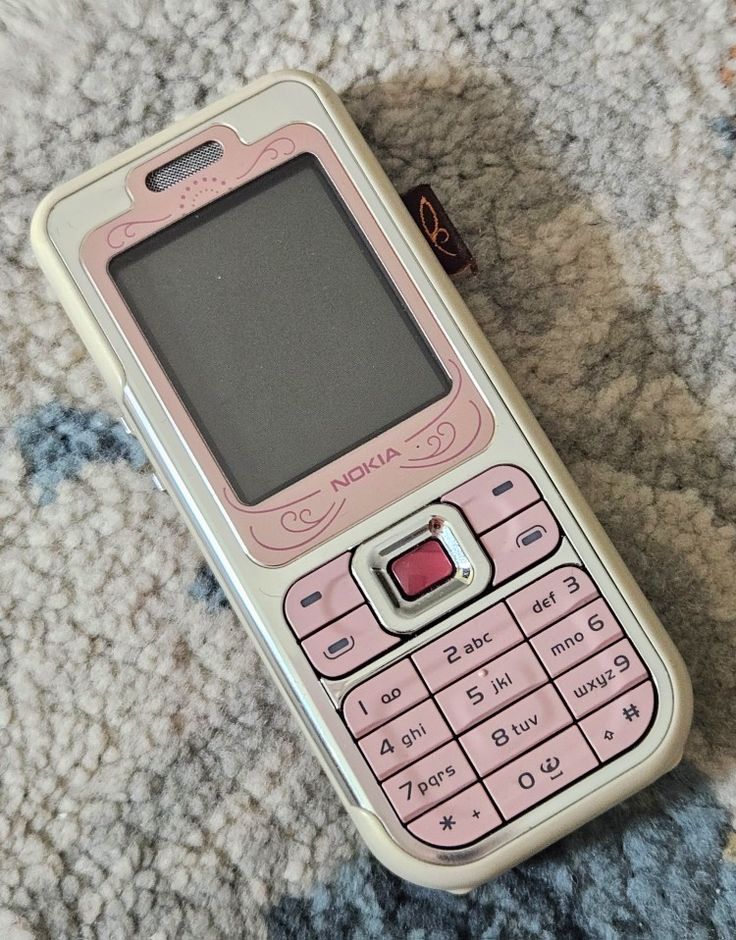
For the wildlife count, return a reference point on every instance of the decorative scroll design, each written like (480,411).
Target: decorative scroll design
(441,440)
(130,230)
(452,431)
(436,233)
(275,150)
(296,527)
(241,507)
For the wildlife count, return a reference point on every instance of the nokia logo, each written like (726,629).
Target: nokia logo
(363,469)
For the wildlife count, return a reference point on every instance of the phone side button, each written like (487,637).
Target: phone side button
(462,819)
(157,483)
(347,643)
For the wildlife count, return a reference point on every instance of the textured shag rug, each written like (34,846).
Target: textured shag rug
(153,785)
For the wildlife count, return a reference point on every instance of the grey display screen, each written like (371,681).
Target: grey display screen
(277,326)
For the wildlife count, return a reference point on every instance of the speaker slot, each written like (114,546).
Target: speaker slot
(189,163)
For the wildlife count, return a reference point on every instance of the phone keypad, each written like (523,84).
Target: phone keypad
(551,597)
(493,496)
(458,821)
(546,769)
(412,735)
(377,700)
(429,781)
(577,637)
(618,725)
(516,729)
(492,687)
(600,678)
(500,712)
(471,644)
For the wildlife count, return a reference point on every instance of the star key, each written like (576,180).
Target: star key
(462,820)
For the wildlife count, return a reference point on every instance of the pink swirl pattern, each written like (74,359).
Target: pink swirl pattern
(445,442)
(449,452)
(314,528)
(276,150)
(435,440)
(129,231)
(302,521)
(293,522)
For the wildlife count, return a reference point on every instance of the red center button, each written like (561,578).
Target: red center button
(421,568)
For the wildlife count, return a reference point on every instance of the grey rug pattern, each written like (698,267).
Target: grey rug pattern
(151,782)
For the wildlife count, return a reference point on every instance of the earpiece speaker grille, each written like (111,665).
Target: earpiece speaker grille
(189,163)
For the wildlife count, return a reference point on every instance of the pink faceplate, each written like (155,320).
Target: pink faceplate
(374,474)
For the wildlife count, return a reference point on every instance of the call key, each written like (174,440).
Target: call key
(347,643)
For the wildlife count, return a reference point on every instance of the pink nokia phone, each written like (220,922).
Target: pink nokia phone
(463,647)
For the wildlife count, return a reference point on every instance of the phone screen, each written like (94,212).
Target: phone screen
(275,322)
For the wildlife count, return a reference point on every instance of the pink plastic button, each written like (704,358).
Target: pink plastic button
(619,725)
(553,596)
(493,496)
(540,773)
(467,647)
(405,739)
(521,542)
(430,781)
(491,688)
(421,568)
(459,821)
(601,678)
(516,729)
(569,642)
(347,643)
(382,697)
(321,596)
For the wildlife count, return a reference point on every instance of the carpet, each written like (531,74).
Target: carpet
(152,783)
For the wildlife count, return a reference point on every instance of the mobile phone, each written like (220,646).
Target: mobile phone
(463,647)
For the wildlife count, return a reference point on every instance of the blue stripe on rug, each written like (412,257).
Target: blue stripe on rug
(652,867)
(56,441)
